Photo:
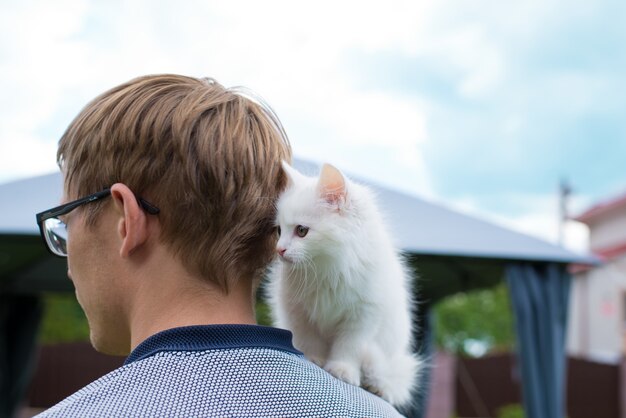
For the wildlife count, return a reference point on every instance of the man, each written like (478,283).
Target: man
(167,226)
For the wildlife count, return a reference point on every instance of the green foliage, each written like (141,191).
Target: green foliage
(511,411)
(482,317)
(263,314)
(63,320)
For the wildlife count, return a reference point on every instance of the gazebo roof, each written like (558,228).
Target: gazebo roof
(422,227)
(450,251)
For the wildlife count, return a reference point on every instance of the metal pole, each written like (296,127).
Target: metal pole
(564,192)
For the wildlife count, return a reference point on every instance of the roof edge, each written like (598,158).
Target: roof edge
(571,258)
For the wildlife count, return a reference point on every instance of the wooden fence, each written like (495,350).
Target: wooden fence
(476,387)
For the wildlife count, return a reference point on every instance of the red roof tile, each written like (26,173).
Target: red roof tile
(604,254)
(601,208)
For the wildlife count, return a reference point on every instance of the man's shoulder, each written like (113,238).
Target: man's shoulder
(241,382)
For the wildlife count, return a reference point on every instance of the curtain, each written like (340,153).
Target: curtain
(423,346)
(19,324)
(539,298)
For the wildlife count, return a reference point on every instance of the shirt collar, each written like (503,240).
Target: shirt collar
(211,337)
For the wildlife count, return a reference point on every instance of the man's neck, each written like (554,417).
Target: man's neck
(170,297)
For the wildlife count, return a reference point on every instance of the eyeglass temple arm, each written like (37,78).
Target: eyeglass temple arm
(59,210)
(148,207)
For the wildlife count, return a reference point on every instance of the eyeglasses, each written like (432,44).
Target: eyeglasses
(54,231)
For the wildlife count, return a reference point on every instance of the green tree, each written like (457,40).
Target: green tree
(475,322)
(63,320)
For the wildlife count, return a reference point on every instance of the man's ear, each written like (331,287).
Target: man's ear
(132,227)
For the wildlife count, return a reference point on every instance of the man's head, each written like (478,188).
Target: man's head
(208,157)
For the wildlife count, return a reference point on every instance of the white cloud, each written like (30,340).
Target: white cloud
(477,61)
(39,63)
(56,56)
(24,156)
(290,53)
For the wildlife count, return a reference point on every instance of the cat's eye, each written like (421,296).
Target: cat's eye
(278,230)
(302,230)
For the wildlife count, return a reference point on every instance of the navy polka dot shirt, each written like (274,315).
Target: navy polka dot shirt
(220,371)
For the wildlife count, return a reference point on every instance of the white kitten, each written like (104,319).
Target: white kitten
(341,287)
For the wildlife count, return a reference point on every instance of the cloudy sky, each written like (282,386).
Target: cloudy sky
(482,106)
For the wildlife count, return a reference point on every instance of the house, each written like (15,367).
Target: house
(597,318)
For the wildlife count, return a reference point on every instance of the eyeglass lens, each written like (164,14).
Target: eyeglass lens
(55,232)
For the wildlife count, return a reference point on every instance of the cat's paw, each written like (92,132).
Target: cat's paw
(318,361)
(345,371)
(372,388)
(394,380)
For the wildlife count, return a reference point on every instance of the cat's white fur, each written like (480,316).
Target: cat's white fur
(342,289)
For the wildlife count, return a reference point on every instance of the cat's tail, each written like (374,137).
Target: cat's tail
(394,378)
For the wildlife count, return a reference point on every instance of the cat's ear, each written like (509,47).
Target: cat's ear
(293,175)
(332,186)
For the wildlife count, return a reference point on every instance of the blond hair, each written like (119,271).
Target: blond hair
(208,157)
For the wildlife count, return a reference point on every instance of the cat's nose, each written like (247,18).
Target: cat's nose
(281,251)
